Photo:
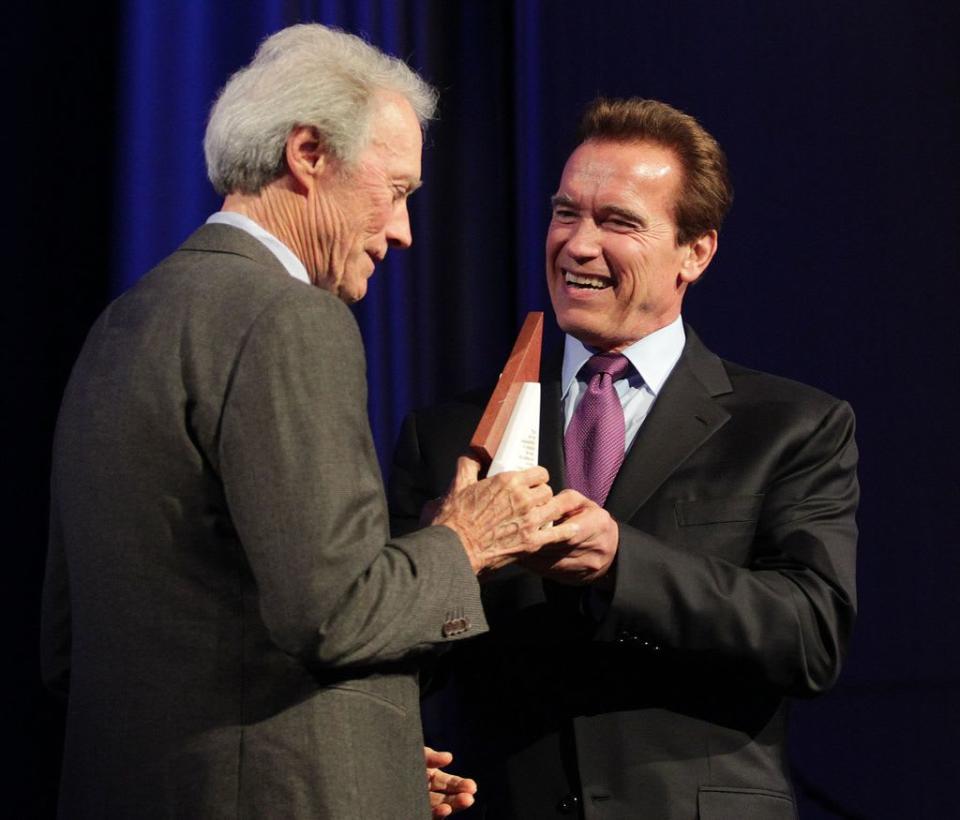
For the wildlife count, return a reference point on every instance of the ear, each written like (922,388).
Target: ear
(306,156)
(698,255)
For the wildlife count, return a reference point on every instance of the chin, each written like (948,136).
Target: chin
(595,336)
(584,333)
(582,324)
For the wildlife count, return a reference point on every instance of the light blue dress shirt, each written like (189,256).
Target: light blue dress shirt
(286,257)
(653,358)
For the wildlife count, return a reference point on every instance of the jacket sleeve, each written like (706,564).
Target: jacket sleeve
(788,614)
(305,494)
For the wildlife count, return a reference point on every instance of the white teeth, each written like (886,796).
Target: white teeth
(585,281)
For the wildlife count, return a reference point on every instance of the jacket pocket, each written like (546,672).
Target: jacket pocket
(729,803)
(730,510)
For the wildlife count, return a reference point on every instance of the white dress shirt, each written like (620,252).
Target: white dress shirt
(286,256)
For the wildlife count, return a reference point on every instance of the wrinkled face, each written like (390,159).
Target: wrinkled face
(361,210)
(614,270)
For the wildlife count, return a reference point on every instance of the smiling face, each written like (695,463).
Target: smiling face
(614,270)
(359,211)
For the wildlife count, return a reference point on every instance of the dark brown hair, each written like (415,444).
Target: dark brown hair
(705,191)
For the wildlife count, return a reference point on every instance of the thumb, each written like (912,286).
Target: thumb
(468,472)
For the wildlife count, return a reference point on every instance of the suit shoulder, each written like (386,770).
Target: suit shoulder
(750,381)
(311,316)
(233,287)
(188,272)
(763,400)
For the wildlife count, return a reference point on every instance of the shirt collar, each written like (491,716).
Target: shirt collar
(284,255)
(653,356)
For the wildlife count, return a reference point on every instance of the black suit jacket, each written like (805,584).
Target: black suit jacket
(734,589)
(222,604)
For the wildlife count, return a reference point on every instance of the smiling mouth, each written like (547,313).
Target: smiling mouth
(586,281)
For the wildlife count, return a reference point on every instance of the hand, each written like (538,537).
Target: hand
(586,557)
(448,792)
(502,518)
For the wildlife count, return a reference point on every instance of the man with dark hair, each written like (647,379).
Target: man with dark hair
(641,669)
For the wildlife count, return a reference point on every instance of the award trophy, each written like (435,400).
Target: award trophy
(508,435)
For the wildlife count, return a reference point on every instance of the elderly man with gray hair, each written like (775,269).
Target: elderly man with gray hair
(234,630)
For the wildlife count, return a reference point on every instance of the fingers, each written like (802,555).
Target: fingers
(526,489)
(449,793)
(445,805)
(562,509)
(443,783)
(435,759)
(531,477)
(570,501)
(532,497)
(579,549)
(580,525)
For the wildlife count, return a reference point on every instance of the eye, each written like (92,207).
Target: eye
(620,223)
(562,213)
(400,192)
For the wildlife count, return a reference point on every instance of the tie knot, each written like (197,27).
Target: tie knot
(615,365)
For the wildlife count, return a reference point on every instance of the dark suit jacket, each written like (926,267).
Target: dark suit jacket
(222,603)
(734,588)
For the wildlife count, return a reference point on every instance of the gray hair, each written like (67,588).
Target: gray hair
(303,75)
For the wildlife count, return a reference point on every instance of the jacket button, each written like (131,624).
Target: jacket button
(568,804)
(455,626)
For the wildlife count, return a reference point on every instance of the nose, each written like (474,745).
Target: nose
(584,240)
(398,230)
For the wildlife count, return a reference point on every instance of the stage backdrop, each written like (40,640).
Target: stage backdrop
(837,266)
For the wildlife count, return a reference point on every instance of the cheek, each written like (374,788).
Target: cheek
(556,239)
(387,211)
(625,256)
(377,205)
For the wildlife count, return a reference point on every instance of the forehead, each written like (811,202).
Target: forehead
(396,140)
(622,168)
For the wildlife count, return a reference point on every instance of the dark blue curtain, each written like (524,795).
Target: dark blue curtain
(441,313)
(837,266)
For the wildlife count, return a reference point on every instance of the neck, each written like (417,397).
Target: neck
(282,211)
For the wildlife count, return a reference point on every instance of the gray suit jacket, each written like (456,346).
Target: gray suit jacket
(734,589)
(235,630)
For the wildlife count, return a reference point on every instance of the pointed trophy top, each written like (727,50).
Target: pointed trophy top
(523,365)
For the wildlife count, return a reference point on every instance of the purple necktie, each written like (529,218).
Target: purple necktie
(596,436)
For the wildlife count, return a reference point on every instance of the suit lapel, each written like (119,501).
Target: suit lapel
(551,414)
(551,457)
(551,431)
(684,416)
